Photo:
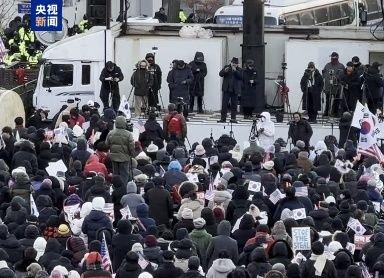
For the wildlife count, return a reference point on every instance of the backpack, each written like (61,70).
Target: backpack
(174,125)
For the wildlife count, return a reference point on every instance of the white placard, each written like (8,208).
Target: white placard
(276,196)
(254,186)
(301,238)
(54,167)
(299,213)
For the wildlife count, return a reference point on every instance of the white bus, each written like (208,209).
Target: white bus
(306,12)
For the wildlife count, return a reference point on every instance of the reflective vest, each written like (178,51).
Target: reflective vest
(83,25)
(26,35)
(9,59)
(182,17)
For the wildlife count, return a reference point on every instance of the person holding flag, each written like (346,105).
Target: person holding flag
(95,265)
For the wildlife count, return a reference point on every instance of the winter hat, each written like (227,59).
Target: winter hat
(280,268)
(46,183)
(39,245)
(132,257)
(63,230)
(193,263)
(362,205)
(334,246)
(73,274)
(274,274)
(168,255)
(61,269)
(56,274)
(317,248)
(268,165)
(199,150)
(137,247)
(330,200)
(145,275)
(152,148)
(293,271)
(98,203)
(286,213)
(187,188)
(33,269)
(187,213)
(287,178)
(199,223)
(181,233)
(150,241)
(300,144)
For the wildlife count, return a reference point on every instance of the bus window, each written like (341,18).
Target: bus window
(306,18)
(347,13)
(321,16)
(292,19)
(270,21)
(372,6)
(334,15)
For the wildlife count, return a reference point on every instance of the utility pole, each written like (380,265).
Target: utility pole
(173,11)
(253,46)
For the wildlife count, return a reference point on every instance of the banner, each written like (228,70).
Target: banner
(301,238)
(108,210)
(46,15)
(360,241)
(254,186)
(299,213)
(358,114)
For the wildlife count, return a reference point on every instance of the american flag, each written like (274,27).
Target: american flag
(372,151)
(105,258)
(140,126)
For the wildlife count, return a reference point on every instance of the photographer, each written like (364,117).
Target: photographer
(199,71)
(231,89)
(141,80)
(155,70)
(110,77)
(121,144)
(331,75)
(174,125)
(179,80)
(351,82)
(299,129)
(311,85)
(374,87)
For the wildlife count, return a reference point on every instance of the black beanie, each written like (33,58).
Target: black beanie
(317,248)
(193,263)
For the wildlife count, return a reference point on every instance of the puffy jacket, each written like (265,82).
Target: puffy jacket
(220,268)
(132,199)
(93,222)
(93,165)
(120,141)
(202,240)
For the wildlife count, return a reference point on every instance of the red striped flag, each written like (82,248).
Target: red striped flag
(105,258)
(372,151)
(140,126)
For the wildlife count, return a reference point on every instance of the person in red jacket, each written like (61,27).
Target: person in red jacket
(93,165)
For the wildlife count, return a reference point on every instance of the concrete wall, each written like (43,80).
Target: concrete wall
(129,50)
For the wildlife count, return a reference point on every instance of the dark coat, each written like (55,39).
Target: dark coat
(329,270)
(153,132)
(246,231)
(110,86)
(121,244)
(352,88)
(199,71)
(168,270)
(128,269)
(249,94)
(184,223)
(374,82)
(374,251)
(93,222)
(259,265)
(176,77)
(52,252)
(12,247)
(157,77)
(174,177)
(223,241)
(20,157)
(301,130)
(160,205)
(346,130)
(142,81)
(314,92)
(231,80)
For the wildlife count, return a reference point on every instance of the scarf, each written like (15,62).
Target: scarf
(320,261)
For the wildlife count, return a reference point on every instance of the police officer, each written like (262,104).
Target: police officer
(110,77)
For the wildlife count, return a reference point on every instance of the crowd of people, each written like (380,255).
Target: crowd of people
(150,208)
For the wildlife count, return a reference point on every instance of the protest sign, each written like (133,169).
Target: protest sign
(108,210)
(356,226)
(276,196)
(351,247)
(193,177)
(360,241)
(70,211)
(301,238)
(301,191)
(55,167)
(126,213)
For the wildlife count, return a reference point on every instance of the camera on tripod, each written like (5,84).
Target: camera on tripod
(180,104)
